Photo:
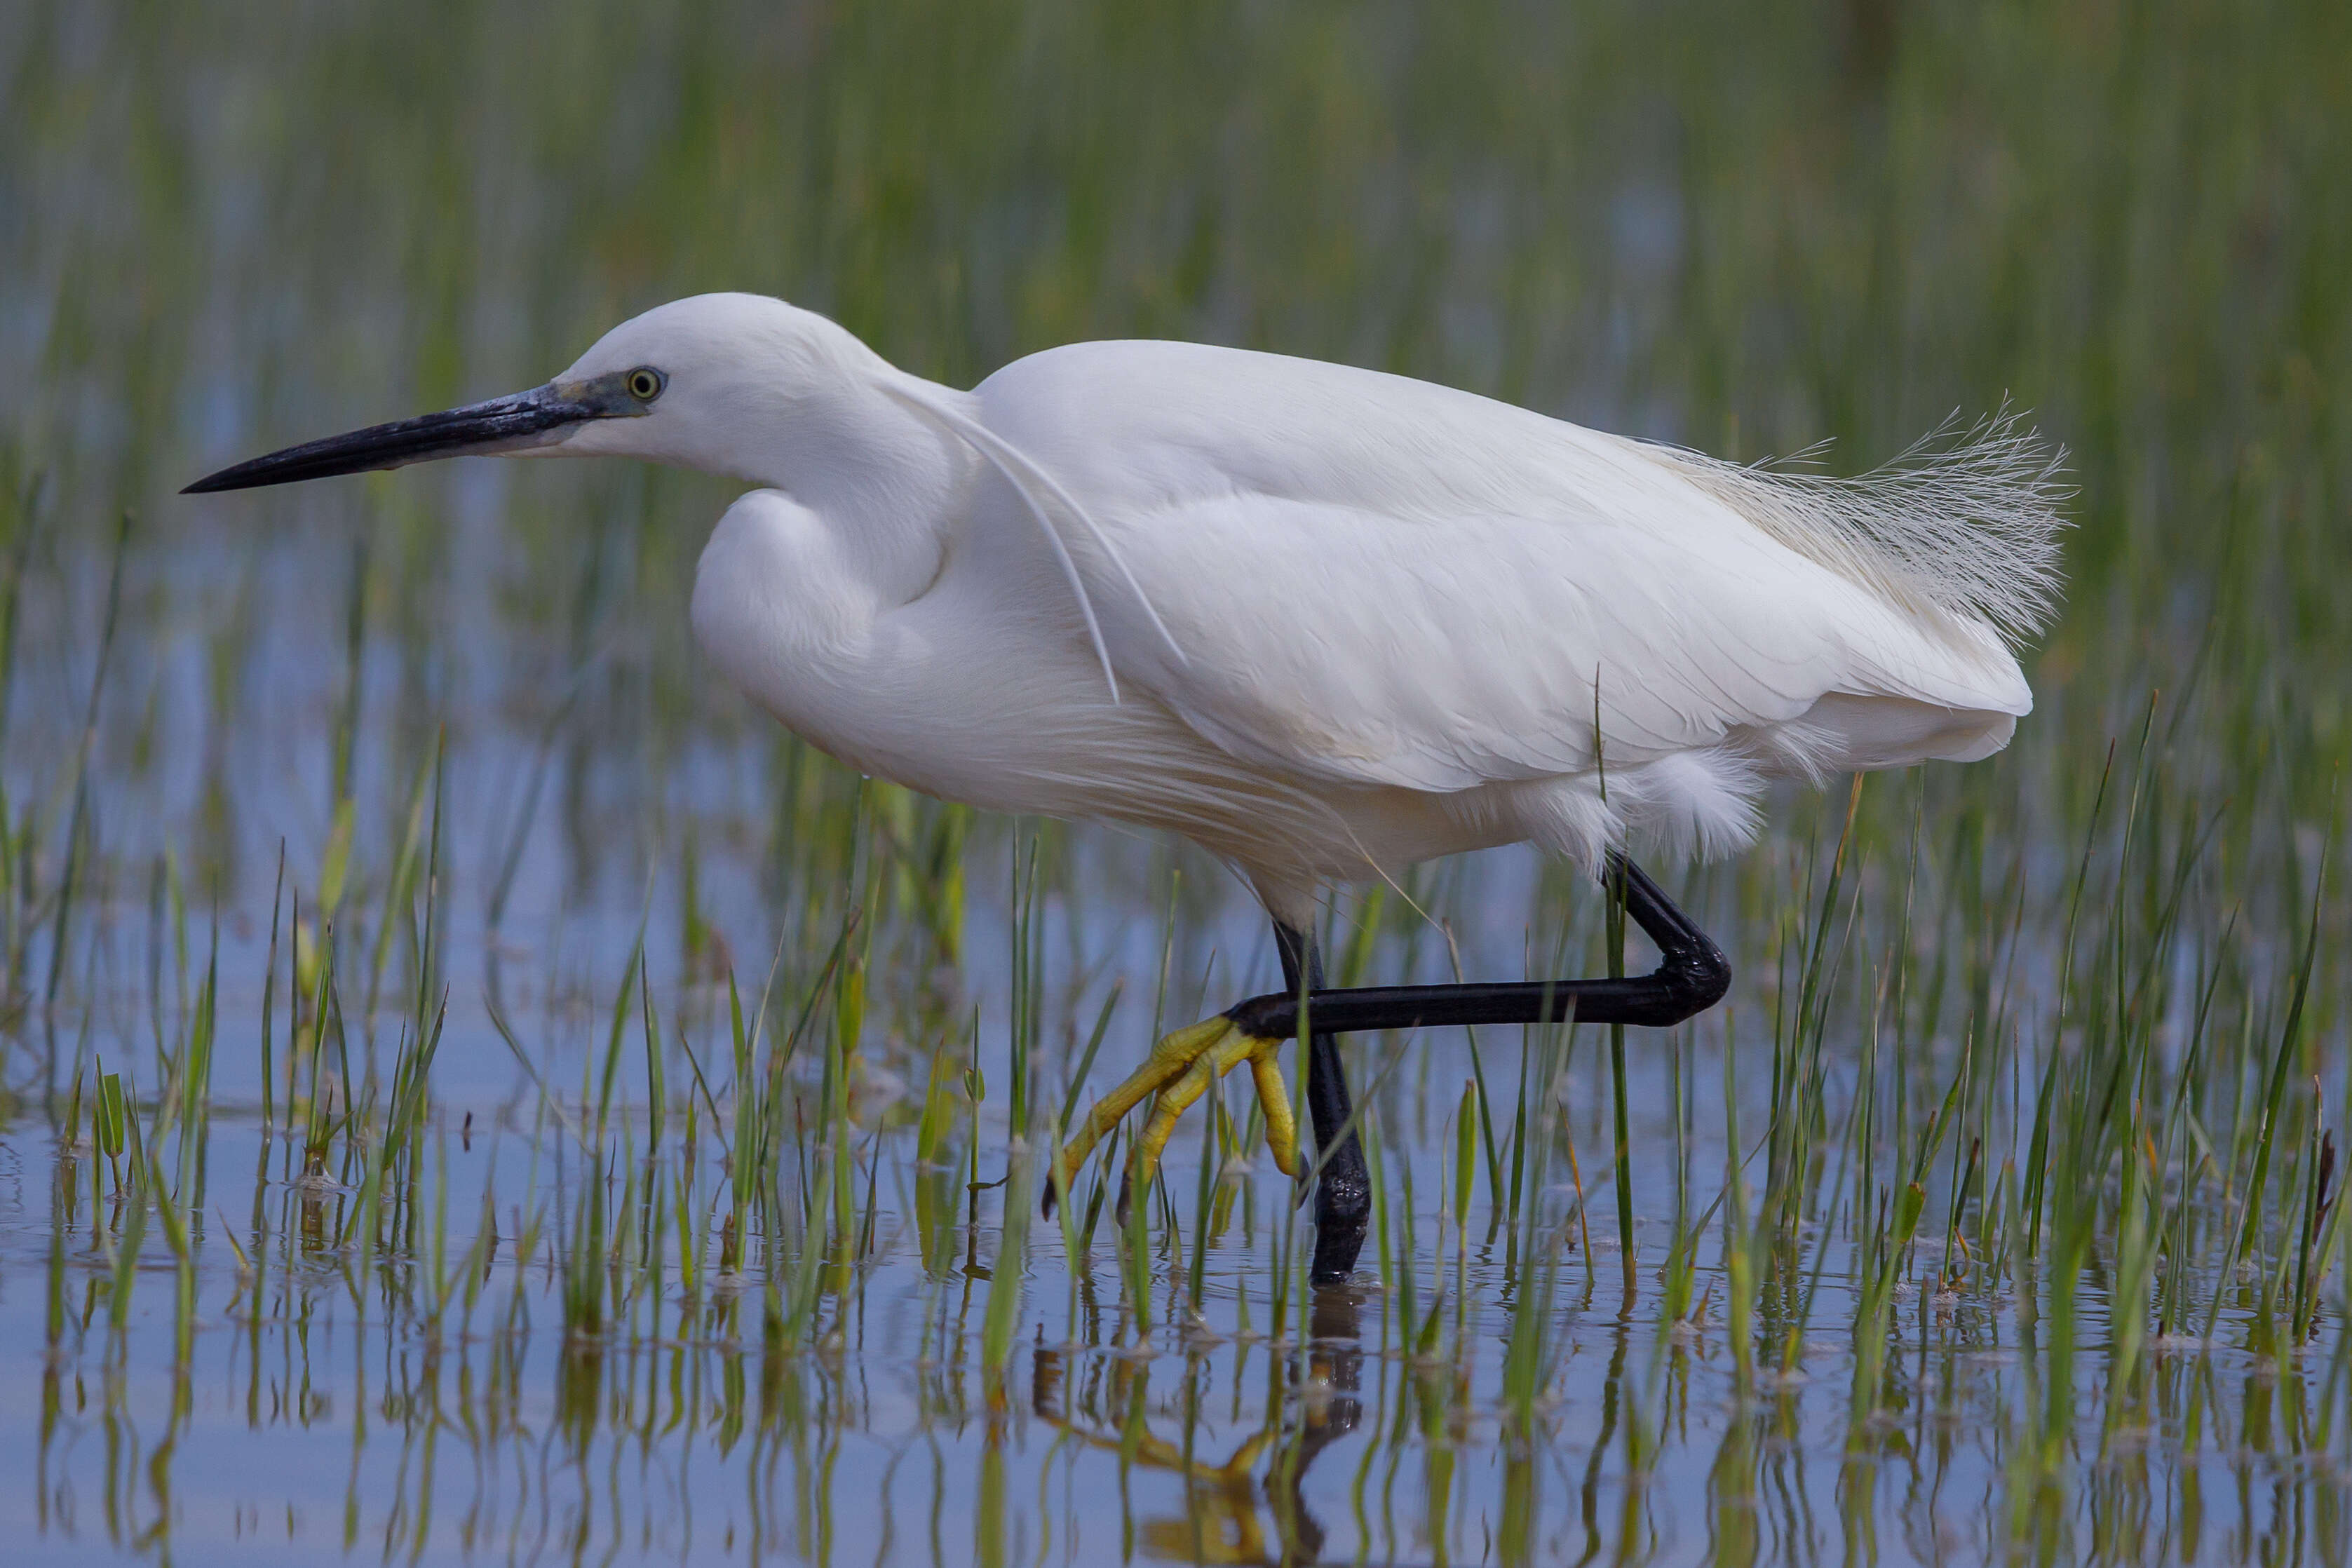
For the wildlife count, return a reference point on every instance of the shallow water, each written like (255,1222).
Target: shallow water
(2086,996)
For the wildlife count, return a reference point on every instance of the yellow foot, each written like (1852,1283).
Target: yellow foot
(1178,1072)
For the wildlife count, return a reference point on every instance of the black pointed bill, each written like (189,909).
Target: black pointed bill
(511,424)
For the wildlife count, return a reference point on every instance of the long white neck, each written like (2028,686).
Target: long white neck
(888,483)
(796,404)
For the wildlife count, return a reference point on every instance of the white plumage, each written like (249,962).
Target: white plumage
(1353,620)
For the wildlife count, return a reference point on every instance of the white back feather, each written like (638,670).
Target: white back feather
(1965,521)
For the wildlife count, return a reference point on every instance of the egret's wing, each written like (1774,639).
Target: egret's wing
(1376,580)
(1354,646)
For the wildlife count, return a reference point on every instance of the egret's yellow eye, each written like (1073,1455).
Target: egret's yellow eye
(644,383)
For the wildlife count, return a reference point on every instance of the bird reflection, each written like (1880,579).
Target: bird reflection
(1231,1514)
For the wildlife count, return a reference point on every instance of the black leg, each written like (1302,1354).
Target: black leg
(1691,977)
(1343,1195)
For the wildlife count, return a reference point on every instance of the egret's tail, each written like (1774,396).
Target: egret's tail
(1967,519)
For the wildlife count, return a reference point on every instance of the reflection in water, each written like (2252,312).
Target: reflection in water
(1222,1519)
(690,1246)
(576,1374)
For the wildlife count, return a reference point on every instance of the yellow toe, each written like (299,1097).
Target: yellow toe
(1179,1072)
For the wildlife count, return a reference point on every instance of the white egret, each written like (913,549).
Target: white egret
(1322,622)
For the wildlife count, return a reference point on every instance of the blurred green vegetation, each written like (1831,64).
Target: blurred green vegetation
(1749,229)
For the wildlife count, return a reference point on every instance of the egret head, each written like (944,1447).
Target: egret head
(717,382)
